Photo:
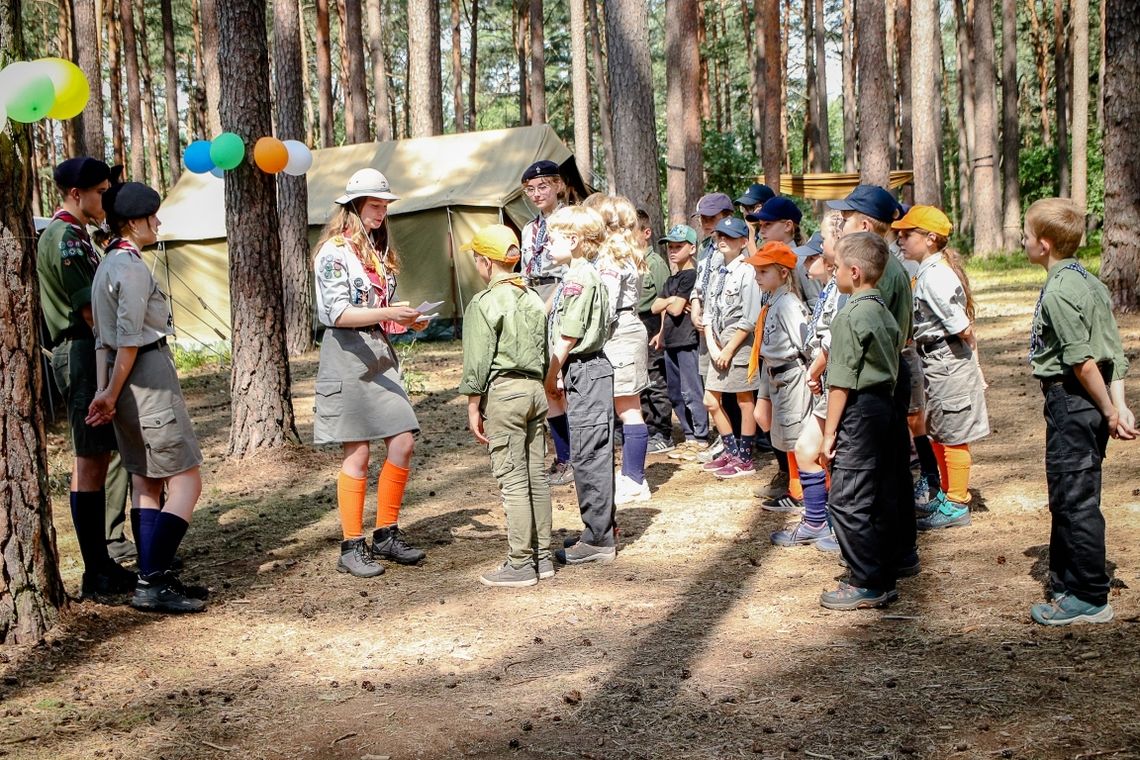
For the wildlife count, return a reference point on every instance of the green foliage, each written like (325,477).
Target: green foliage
(415,381)
(186,359)
(730,159)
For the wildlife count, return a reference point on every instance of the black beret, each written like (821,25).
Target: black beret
(83,172)
(542,168)
(134,200)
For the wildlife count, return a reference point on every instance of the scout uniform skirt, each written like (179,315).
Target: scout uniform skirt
(734,378)
(955,400)
(791,402)
(359,393)
(628,352)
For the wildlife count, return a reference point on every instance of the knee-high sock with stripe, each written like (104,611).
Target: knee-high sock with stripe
(958,461)
(795,486)
(390,494)
(815,497)
(350,504)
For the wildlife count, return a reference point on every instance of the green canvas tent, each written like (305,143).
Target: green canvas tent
(449,187)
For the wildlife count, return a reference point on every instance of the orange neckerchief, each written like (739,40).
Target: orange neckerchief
(757,339)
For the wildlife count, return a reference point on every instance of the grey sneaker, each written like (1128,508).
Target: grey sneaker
(560,473)
(161,592)
(777,486)
(714,451)
(356,558)
(545,569)
(801,534)
(659,446)
(580,553)
(509,576)
(1066,609)
(848,597)
(950,514)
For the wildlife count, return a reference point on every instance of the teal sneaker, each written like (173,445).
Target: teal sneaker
(931,505)
(949,514)
(1066,609)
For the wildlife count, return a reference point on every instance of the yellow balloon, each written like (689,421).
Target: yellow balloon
(71,88)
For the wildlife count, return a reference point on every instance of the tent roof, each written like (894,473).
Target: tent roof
(465,169)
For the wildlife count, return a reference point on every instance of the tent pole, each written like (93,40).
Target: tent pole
(455,290)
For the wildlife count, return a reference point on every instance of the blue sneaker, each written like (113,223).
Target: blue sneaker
(931,505)
(1066,609)
(949,514)
(801,534)
(848,597)
(828,543)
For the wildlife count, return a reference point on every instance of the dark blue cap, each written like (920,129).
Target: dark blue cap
(756,193)
(871,200)
(732,226)
(81,173)
(813,247)
(133,200)
(542,168)
(776,210)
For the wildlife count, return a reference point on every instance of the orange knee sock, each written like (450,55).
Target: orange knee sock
(795,488)
(958,463)
(940,455)
(390,494)
(350,504)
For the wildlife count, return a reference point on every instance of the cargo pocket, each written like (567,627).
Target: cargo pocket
(499,447)
(328,401)
(162,437)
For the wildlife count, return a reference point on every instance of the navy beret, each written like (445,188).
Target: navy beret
(134,200)
(542,168)
(82,172)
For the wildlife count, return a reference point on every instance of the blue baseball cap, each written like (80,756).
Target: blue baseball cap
(756,193)
(777,210)
(871,200)
(732,226)
(813,247)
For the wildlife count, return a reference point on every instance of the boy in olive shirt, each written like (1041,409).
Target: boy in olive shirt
(504,362)
(859,435)
(1075,352)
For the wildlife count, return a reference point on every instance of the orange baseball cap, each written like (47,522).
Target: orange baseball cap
(926,218)
(773,253)
(495,242)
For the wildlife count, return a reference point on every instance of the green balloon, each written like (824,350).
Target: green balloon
(227,150)
(32,94)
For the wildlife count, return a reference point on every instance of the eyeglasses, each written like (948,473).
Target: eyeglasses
(533,190)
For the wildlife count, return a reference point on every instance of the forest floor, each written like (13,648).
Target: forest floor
(701,641)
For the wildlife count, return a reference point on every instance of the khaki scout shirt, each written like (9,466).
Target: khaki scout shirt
(894,287)
(864,344)
(1072,323)
(581,309)
(65,265)
(128,306)
(504,330)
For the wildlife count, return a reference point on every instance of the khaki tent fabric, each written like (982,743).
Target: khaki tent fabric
(449,186)
(831,186)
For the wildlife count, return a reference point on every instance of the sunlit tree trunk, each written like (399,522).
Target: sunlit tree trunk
(580,82)
(170,74)
(114,81)
(601,85)
(1010,137)
(87,48)
(905,86)
(819,36)
(381,108)
(146,95)
(457,66)
(1040,61)
(850,118)
(537,65)
(684,180)
(1081,101)
(1061,75)
(473,67)
(353,43)
(772,159)
(965,117)
(926,119)
(521,19)
(324,76)
(874,95)
(134,100)
(210,58)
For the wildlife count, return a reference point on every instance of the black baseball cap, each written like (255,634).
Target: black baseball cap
(756,193)
(81,172)
(542,168)
(777,210)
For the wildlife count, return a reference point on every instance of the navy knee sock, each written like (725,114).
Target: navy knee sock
(731,445)
(87,514)
(782,460)
(927,462)
(560,432)
(144,537)
(634,443)
(744,448)
(815,496)
(168,532)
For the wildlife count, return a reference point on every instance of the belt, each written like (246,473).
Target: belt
(933,345)
(76,332)
(543,280)
(515,375)
(1071,384)
(624,309)
(572,358)
(783,368)
(160,343)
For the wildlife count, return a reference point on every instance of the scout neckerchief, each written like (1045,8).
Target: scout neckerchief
(382,281)
(1036,343)
(538,250)
(122,244)
(758,335)
(64,215)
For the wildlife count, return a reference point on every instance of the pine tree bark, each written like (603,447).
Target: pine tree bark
(173,141)
(211,52)
(1080,63)
(892,81)
(114,81)
(965,118)
(381,110)
(324,76)
(521,16)
(1061,63)
(785,35)
(424,87)
(537,65)
(823,118)
(905,85)
(1040,61)
(631,78)
(88,57)
(850,116)
(260,403)
(684,170)
(354,45)
(134,100)
(473,65)
(702,44)
(926,121)
(1010,136)
(602,87)
(580,82)
(457,66)
(292,192)
(1100,72)
(751,11)
(1120,260)
(811,129)
(874,95)
(772,159)
(31,593)
(198,91)
(146,95)
(987,227)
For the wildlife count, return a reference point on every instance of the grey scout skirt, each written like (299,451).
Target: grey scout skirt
(955,397)
(359,393)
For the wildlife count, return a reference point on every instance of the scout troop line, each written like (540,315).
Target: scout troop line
(841,354)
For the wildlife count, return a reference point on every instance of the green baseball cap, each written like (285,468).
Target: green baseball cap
(680,233)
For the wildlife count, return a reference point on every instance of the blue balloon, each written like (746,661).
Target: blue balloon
(197,157)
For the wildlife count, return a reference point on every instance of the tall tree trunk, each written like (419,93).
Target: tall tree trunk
(965,118)
(965,26)
(1040,61)
(874,95)
(146,95)
(31,593)
(173,141)
(473,67)
(381,118)
(114,81)
(715,75)
(906,111)
(87,48)
(810,141)
(702,42)
(210,57)
(785,37)
(892,80)
(260,403)
(987,227)
(311,119)
(631,75)
(768,50)
(939,85)
(822,116)
(684,171)
(749,11)
(424,87)
(353,43)
(292,192)
(1120,261)
(134,99)
(602,87)
(457,66)
(850,117)
(1080,62)
(66,50)
(198,92)
(925,98)
(324,76)
(580,82)
(1061,63)
(521,15)
(1010,137)
(1100,71)
(537,65)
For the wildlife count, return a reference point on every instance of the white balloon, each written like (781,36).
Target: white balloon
(218,172)
(300,158)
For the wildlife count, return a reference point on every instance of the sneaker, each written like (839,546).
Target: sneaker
(923,494)
(389,543)
(1066,609)
(786,503)
(908,566)
(848,597)
(560,473)
(627,490)
(110,581)
(931,506)
(122,551)
(545,568)
(777,486)
(949,514)
(579,553)
(688,449)
(801,534)
(160,592)
(829,544)
(715,464)
(735,468)
(509,576)
(714,450)
(659,446)
(356,558)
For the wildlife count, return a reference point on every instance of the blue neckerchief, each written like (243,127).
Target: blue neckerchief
(817,312)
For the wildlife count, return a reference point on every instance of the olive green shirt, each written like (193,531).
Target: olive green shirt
(504,330)
(653,281)
(864,344)
(894,287)
(65,264)
(1073,323)
(581,309)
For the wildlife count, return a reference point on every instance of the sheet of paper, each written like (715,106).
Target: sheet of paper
(427,306)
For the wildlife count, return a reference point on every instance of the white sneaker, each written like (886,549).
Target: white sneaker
(628,491)
(712,452)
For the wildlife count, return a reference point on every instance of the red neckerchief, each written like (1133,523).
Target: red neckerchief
(122,244)
(64,215)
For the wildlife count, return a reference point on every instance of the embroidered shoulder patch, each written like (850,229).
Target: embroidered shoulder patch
(332,268)
(572,289)
(69,248)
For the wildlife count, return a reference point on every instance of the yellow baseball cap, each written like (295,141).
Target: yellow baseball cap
(494,241)
(925,218)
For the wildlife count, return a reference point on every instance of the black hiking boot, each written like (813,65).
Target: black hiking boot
(163,592)
(111,580)
(389,543)
(356,558)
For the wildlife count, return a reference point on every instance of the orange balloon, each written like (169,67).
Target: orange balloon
(270,155)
